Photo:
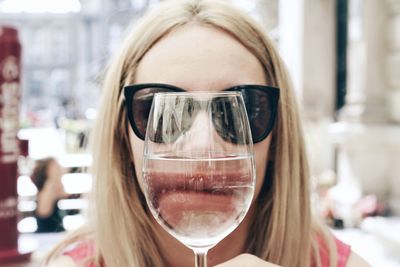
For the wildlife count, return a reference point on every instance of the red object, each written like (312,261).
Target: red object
(10,96)
(369,205)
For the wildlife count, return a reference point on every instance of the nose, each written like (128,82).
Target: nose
(201,137)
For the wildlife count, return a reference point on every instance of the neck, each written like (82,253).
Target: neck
(177,255)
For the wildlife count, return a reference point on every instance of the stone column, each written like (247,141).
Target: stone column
(291,40)
(307,45)
(319,62)
(367,83)
(393,59)
(393,95)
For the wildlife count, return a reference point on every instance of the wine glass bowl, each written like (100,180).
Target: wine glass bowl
(198,166)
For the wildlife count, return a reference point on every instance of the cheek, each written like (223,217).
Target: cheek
(137,148)
(261,158)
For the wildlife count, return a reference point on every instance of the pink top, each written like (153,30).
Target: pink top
(81,252)
(343,253)
(86,249)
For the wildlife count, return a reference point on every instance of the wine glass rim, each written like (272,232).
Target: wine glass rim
(198,93)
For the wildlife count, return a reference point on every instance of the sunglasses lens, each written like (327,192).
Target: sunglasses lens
(141,105)
(260,110)
(224,120)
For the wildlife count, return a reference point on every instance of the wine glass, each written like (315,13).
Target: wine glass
(198,166)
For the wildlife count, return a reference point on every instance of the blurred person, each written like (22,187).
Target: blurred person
(46,176)
(200,45)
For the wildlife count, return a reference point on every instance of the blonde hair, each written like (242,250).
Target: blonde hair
(283,232)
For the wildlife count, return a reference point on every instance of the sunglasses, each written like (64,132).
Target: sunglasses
(261,104)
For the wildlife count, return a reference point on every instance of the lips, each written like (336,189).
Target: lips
(198,202)
(200,182)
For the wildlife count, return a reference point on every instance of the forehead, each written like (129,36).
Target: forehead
(200,58)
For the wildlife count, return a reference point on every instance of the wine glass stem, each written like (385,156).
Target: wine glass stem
(200,258)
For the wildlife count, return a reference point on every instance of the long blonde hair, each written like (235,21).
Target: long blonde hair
(283,232)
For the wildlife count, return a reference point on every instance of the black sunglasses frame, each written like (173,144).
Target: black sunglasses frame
(273,92)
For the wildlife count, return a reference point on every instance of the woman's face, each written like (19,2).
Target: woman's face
(199,58)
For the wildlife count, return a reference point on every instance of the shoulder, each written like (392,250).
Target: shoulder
(84,252)
(63,261)
(356,261)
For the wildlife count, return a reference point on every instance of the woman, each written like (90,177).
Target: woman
(201,45)
(47,178)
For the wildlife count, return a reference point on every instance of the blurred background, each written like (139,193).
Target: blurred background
(344,59)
